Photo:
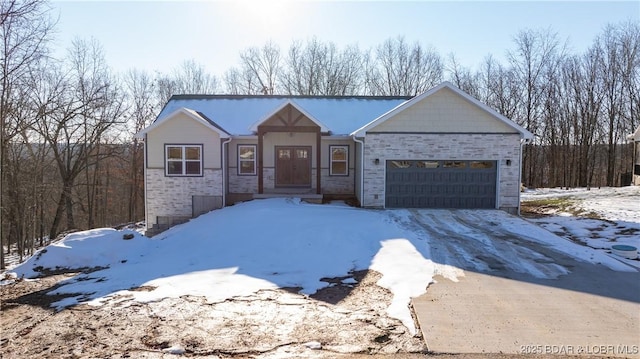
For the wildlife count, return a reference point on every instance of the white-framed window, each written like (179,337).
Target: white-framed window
(246,160)
(339,160)
(183,160)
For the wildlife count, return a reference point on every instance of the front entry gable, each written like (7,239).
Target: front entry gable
(289,115)
(292,161)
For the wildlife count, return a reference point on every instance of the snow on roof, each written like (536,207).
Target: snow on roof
(195,115)
(236,114)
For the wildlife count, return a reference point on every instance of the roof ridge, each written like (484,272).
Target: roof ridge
(243,97)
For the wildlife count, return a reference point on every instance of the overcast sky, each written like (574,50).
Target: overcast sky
(159,35)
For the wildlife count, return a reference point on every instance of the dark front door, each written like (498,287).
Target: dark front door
(293,166)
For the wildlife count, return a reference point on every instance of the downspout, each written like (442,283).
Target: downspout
(361,168)
(522,143)
(144,174)
(224,173)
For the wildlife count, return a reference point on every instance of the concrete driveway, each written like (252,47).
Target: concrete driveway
(520,297)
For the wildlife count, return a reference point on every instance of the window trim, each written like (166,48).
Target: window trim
(255,160)
(331,160)
(183,160)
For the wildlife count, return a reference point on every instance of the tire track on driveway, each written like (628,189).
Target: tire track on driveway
(471,240)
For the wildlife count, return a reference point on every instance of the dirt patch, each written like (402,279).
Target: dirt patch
(347,317)
(537,208)
(544,207)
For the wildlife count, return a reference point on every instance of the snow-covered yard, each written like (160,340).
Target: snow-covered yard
(240,250)
(598,217)
(278,277)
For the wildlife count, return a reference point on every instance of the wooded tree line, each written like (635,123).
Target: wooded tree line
(69,159)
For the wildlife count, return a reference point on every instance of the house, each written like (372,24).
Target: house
(635,138)
(440,149)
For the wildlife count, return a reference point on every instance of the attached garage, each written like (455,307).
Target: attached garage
(442,149)
(440,184)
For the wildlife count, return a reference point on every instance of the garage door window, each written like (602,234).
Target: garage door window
(481,164)
(399,164)
(454,164)
(339,160)
(427,164)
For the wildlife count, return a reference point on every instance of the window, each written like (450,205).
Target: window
(247,160)
(399,164)
(339,157)
(481,164)
(454,164)
(427,164)
(183,160)
(284,154)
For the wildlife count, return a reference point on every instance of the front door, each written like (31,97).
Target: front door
(293,166)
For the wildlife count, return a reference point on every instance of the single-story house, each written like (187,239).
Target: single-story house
(635,138)
(440,149)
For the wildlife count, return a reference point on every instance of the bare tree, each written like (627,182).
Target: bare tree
(535,52)
(261,66)
(25,27)
(619,49)
(188,78)
(462,77)
(399,69)
(87,107)
(317,68)
(142,110)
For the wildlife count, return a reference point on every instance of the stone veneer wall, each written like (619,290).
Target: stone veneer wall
(407,146)
(172,196)
(242,184)
(338,184)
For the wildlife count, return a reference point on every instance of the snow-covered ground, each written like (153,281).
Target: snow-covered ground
(616,211)
(610,203)
(283,243)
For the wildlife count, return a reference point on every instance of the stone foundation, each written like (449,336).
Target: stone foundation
(173,196)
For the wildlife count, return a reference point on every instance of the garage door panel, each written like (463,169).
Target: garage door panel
(441,184)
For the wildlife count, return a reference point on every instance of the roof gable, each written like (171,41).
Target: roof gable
(413,103)
(194,115)
(254,127)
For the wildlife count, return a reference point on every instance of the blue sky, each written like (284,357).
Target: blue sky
(159,35)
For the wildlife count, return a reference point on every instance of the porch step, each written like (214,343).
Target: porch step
(307,197)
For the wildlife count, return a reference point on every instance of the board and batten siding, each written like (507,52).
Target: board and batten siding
(443,112)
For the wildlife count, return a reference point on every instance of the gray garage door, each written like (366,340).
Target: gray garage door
(441,184)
